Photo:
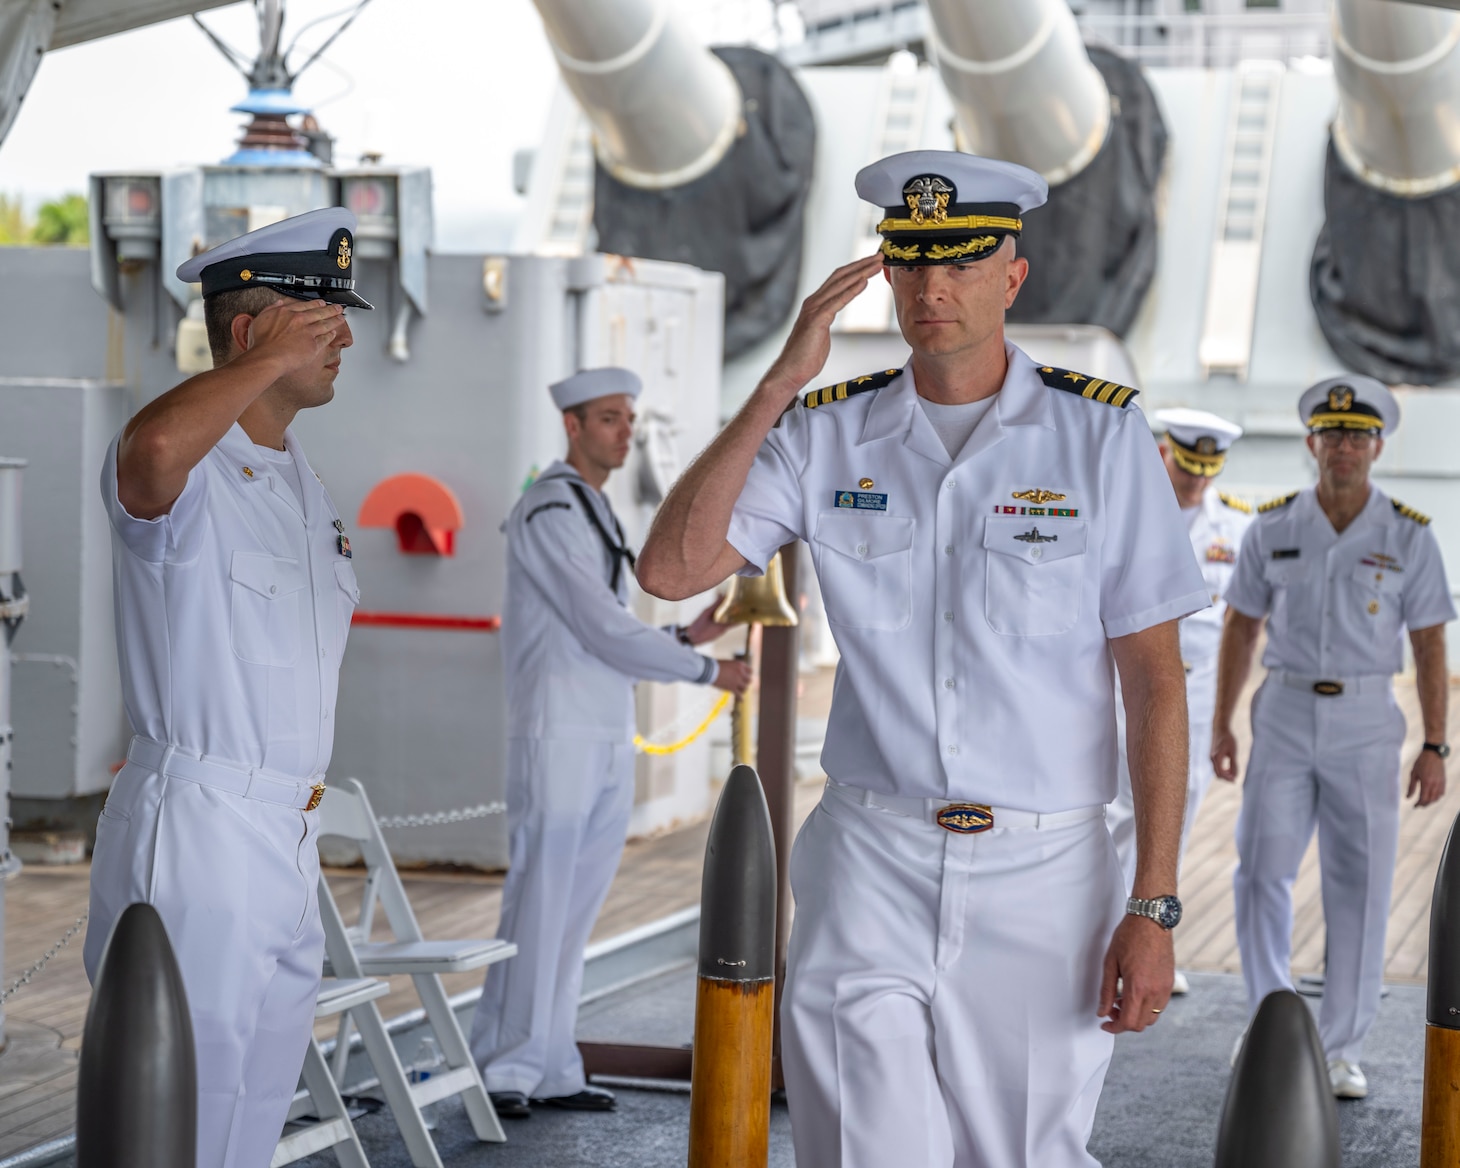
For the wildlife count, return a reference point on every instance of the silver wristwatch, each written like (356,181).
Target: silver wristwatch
(1164,910)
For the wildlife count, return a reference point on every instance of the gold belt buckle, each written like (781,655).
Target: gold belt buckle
(1328,689)
(966,818)
(316,796)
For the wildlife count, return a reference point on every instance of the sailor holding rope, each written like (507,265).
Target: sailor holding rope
(572,651)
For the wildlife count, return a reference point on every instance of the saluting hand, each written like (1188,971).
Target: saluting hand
(809,344)
(296,333)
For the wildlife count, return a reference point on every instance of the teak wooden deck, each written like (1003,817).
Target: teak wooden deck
(658,876)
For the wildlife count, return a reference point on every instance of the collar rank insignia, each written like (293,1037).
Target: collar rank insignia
(845,389)
(966,818)
(1094,388)
(1033,536)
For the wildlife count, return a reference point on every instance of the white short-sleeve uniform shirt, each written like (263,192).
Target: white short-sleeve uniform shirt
(232,611)
(1217,529)
(972,598)
(1338,603)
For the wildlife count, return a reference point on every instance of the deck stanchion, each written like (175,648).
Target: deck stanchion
(730,1088)
(1279,1111)
(137,1090)
(1439,1141)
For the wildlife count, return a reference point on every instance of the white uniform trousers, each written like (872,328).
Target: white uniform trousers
(941,991)
(568,806)
(1120,817)
(235,881)
(1333,761)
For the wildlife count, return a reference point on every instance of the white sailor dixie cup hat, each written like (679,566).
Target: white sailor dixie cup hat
(1350,402)
(593,383)
(1198,441)
(947,207)
(309,257)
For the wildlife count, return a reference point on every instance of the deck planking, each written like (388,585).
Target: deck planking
(658,876)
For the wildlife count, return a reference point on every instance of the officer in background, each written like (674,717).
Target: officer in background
(234,592)
(1194,450)
(572,651)
(986,533)
(1339,572)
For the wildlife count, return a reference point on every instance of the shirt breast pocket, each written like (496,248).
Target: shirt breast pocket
(1035,580)
(264,621)
(864,564)
(347,596)
(1379,599)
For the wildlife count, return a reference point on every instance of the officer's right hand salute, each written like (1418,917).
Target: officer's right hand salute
(292,344)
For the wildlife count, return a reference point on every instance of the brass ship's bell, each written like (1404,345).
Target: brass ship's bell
(753,600)
(758,600)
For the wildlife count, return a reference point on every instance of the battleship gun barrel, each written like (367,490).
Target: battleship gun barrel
(1398,124)
(1022,84)
(665,110)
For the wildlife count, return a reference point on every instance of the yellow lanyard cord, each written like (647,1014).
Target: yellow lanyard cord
(672,747)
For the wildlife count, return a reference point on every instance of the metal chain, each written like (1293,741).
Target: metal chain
(25,978)
(436,818)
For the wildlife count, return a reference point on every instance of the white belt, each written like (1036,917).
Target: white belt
(1332,687)
(965,818)
(175,762)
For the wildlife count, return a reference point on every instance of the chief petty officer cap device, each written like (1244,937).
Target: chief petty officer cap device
(594,383)
(1198,440)
(309,257)
(1350,402)
(947,207)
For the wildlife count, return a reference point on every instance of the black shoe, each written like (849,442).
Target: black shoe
(510,1104)
(588,1099)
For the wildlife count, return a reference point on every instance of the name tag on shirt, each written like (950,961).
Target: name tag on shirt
(1286,553)
(861,500)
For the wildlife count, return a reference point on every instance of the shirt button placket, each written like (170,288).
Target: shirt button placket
(943,663)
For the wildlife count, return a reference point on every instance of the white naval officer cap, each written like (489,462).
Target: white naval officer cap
(1198,440)
(308,257)
(948,207)
(1350,402)
(588,384)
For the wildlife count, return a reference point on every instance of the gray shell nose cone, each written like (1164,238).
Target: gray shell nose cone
(1280,1111)
(137,1091)
(1442,1006)
(738,892)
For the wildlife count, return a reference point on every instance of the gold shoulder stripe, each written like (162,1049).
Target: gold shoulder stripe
(845,389)
(1410,513)
(1110,393)
(1235,503)
(1274,504)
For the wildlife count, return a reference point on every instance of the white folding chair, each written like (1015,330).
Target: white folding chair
(350,953)
(321,1092)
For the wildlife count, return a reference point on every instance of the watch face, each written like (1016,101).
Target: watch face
(1170,912)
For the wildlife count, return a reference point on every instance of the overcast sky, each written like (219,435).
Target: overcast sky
(457,85)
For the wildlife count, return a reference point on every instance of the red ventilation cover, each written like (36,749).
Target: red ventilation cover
(424,512)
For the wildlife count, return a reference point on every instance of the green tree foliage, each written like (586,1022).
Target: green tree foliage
(13,227)
(62,221)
